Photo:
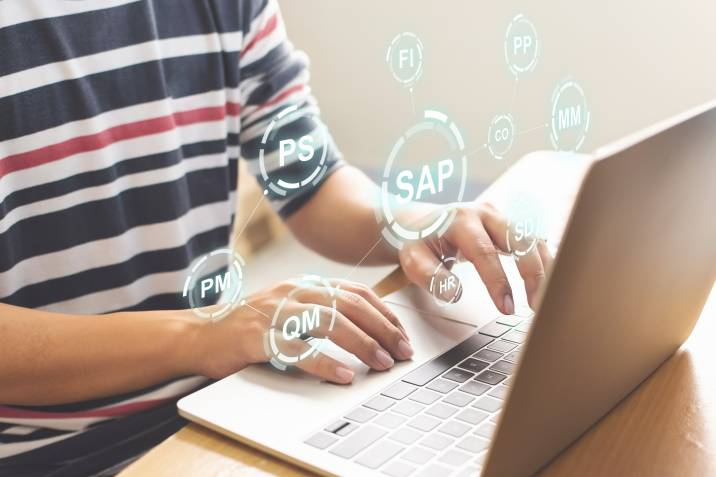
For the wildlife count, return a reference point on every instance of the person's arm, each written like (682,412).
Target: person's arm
(339,221)
(48,358)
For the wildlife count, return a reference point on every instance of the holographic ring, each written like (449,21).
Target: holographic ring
(280,186)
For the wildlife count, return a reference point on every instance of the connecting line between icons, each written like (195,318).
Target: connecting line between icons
(248,219)
(484,146)
(532,129)
(244,303)
(412,100)
(355,267)
(514,95)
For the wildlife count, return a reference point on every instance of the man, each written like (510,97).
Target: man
(121,124)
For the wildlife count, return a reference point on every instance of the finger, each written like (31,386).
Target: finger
(529,265)
(374,323)
(320,364)
(368,294)
(346,334)
(545,255)
(478,247)
(420,266)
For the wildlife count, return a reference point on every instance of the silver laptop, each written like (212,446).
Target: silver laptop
(636,264)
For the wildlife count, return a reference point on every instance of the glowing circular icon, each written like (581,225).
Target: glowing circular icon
(570,116)
(208,284)
(500,135)
(445,287)
(526,225)
(402,185)
(295,156)
(289,329)
(521,45)
(405,58)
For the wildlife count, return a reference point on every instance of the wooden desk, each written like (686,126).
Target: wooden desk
(666,427)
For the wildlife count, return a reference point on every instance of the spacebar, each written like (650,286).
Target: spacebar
(431,369)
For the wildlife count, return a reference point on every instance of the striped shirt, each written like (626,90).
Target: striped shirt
(121,124)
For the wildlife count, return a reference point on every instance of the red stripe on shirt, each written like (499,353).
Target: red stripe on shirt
(122,132)
(277,99)
(266,31)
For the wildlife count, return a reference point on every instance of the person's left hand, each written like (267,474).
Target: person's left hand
(478,232)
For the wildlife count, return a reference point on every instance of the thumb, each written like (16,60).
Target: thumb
(423,268)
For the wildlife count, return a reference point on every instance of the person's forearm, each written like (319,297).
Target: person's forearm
(48,358)
(339,221)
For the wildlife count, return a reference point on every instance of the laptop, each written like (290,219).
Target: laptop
(633,271)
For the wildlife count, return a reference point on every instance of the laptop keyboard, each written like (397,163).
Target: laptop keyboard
(437,419)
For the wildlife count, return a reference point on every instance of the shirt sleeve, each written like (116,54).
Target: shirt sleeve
(274,79)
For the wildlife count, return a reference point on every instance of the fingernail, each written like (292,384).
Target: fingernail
(384,358)
(344,375)
(508,305)
(405,349)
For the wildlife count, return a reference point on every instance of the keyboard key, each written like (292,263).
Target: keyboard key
(454,428)
(361,414)
(508,381)
(495,417)
(441,385)
(408,408)
(510,320)
(356,442)
(336,426)
(454,458)
(469,472)
(434,368)
(458,375)
(486,430)
(514,357)
(418,455)
(399,390)
(474,365)
(390,420)
(524,311)
(437,441)
(501,346)
(503,367)
(347,429)
(474,388)
(424,423)
(494,329)
(524,327)
(379,454)
(424,396)
(515,336)
(398,469)
(321,440)
(488,355)
(490,377)
(406,435)
(459,399)
(433,470)
(488,404)
(472,416)
(441,411)
(473,444)
(379,403)
(499,392)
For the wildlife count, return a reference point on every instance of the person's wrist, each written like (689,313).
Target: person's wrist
(189,350)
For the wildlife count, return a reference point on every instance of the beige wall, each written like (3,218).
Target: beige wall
(638,60)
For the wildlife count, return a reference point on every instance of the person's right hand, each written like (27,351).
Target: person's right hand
(364,326)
